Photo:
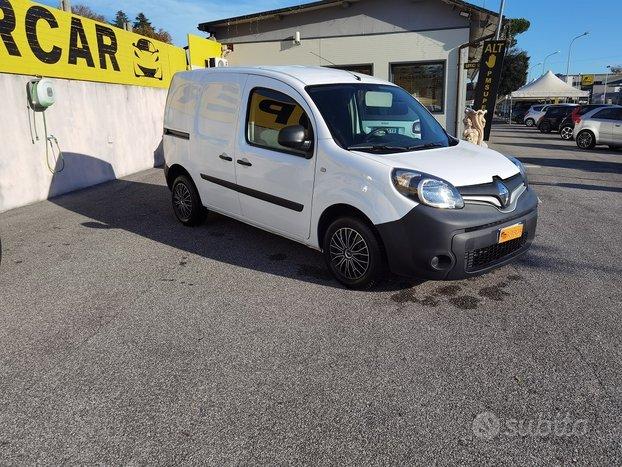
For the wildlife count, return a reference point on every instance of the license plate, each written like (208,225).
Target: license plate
(510,233)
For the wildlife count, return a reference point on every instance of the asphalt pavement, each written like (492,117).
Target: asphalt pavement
(130,339)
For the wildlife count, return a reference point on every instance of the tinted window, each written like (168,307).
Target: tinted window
(537,108)
(610,113)
(425,81)
(270,111)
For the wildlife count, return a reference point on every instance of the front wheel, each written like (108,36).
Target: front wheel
(586,140)
(352,253)
(186,202)
(566,132)
(530,122)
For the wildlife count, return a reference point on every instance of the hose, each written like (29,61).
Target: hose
(51,139)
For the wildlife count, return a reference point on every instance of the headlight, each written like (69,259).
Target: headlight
(426,189)
(521,167)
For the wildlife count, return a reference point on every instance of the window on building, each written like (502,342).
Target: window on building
(366,69)
(425,81)
(269,111)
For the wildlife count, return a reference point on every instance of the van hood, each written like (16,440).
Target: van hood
(461,165)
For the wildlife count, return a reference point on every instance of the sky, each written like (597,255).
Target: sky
(553,25)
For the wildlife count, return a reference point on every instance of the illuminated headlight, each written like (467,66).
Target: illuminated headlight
(521,167)
(426,189)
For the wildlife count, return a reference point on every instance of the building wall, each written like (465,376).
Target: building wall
(380,50)
(104,131)
(363,17)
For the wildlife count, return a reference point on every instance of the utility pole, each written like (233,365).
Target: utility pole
(498,33)
(569,49)
(65,5)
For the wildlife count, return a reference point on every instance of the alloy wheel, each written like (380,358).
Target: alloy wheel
(182,201)
(349,253)
(566,132)
(584,140)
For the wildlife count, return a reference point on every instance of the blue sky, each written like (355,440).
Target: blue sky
(553,24)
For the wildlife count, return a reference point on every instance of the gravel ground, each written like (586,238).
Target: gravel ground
(127,338)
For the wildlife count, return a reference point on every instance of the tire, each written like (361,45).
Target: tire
(530,122)
(544,127)
(186,202)
(566,132)
(353,253)
(586,139)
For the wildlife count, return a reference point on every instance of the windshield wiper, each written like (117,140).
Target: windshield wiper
(425,146)
(376,147)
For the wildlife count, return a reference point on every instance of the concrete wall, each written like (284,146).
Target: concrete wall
(104,130)
(380,50)
(363,17)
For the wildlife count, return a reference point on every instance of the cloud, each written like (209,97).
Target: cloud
(179,17)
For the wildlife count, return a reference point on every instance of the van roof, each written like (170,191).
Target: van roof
(297,74)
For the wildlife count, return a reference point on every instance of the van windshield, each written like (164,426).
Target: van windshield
(377,118)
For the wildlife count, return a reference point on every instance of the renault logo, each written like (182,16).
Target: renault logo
(504,193)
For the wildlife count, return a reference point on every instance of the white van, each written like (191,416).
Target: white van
(347,164)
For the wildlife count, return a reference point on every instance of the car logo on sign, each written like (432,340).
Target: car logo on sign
(504,193)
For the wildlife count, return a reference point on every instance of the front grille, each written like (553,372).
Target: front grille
(487,256)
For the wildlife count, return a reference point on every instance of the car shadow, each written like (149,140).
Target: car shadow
(578,164)
(145,209)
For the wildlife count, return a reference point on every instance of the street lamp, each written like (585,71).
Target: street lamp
(545,58)
(531,68)
(606,77)
(570,48)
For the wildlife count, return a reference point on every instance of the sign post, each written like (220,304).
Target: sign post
(490,67)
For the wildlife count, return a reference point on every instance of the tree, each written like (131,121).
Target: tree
(516,63)
(120,19)
(85,11)
(144,27)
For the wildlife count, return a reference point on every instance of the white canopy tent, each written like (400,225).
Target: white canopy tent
(548,86)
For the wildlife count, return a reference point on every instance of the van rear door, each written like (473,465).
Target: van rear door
(275,183)
(213,142)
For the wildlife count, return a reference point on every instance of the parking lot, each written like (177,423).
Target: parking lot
(128,338)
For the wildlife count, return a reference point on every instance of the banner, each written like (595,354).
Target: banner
(40,40)
(490,67)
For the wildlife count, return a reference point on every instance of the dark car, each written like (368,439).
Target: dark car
(553,117)
(567,124)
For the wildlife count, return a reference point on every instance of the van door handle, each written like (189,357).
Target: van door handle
(224,157)
(244,162)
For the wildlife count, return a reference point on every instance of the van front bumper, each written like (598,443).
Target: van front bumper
(457,243)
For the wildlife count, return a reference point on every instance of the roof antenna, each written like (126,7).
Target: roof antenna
(358,78)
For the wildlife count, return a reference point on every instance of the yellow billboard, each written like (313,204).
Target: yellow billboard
(200,50)
(40,40)
(587,80)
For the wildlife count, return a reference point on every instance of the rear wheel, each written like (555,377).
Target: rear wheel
(352,253)
(566,132)
(187,204)
(545,127)
(530,122)
(586,140)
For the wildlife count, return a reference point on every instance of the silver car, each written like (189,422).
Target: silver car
(600,126)
(534,114)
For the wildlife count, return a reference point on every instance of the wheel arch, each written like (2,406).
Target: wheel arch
(336,211)
(175,171)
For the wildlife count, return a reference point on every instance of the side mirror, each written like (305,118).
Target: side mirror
(295,137)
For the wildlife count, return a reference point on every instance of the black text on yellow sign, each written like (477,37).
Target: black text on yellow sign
(39,40)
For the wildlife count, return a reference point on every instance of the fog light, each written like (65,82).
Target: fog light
(441,262)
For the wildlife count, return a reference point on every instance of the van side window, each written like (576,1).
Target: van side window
(270,111)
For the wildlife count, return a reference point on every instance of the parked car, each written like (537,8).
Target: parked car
(534,114)
(600,126)
(346,164)
(566,127)
(554,116)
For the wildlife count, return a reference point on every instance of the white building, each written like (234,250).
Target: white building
(414,43)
